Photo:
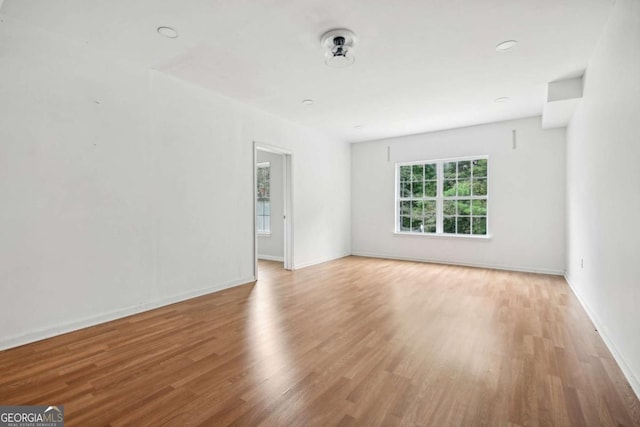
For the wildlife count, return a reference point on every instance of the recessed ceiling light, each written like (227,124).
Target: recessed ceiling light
(307,101)
(502,99)
(358,126)
(168,32)
(506,45)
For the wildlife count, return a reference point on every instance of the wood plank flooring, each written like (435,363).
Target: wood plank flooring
(355,341)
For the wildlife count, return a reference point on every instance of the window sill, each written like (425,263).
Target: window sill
(261,234)
(445,236)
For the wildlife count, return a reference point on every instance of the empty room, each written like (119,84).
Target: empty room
(279,213)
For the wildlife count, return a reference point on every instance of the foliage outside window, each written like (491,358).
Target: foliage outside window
(263,202)
(442,197)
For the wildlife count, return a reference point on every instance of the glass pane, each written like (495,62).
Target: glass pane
(430,189)
(464,207)
(479,207)
(262,182)
(260,221)
(429,207)
(267,189)
(449,224)
(416,225)
(405,208)
(464,225)
(405,173)
(417,189)
(449,188)
(267,208)
(479,225)
(449,207)
(480,187)
(418,173)
(259,208)
(405,223)
(450,170)
(430,224)
(464,169)
(480,168)
(430,171)
(464,188)
(416,209)
(405,189)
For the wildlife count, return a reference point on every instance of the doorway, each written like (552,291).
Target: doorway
(273,229)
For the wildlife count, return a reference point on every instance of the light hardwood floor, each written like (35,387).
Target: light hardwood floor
(355,341)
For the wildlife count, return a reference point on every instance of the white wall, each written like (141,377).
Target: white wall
(271,246)
(526,197)
(123,188)
(603,189)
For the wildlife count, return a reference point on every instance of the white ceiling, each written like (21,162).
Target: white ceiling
(421,65)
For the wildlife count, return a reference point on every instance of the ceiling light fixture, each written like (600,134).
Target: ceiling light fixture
(339,45)
(168,32)
(307,101)
(502,100)
(506,45)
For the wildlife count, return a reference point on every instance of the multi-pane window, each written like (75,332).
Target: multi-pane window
(443,197)
(418,190)
(464,197)
(263,202)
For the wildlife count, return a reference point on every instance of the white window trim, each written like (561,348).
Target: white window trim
(440,199)
(445,235)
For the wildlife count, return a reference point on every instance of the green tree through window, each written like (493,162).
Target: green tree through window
(263,199)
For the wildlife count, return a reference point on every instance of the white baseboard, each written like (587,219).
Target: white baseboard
(602,330)
(464,264)
(271,258)
(319,261)
(33,336)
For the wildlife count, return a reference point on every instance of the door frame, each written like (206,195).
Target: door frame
(288,202)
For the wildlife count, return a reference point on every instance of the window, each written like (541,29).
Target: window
(263,203)
(442,197)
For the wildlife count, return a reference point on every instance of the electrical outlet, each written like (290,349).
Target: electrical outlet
(581,262)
